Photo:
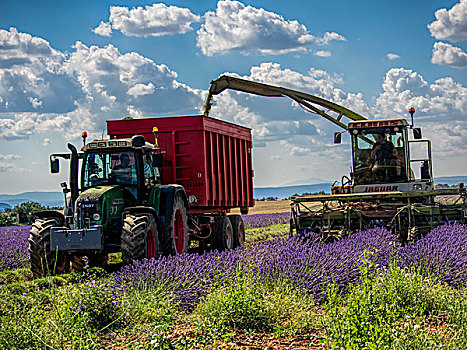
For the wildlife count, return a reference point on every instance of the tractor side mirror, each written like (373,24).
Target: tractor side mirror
(157,160)
(54,166)
(417,133)
(337,137)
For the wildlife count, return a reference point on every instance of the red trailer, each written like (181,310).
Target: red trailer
(209,157)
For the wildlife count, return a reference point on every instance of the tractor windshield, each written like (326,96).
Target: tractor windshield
(110,169)
(379,156)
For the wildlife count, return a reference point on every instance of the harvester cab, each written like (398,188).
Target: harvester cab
(381,158)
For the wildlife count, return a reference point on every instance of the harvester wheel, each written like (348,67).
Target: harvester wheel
(223,234)
(139,238)
(43,260)
(174,238)
(238,230)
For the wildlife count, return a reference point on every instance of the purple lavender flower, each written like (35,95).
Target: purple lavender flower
(14,247)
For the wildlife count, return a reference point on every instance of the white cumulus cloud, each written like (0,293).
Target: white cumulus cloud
(103,29)
(141,90)
(450,24)
(9,156)
(392,56)
(156,20)
(32,78)
(46,142)
(42,89)
(403,88)
(323,53)
(236,27)
(446,54)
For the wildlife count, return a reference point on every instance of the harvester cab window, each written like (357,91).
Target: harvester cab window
(379,157)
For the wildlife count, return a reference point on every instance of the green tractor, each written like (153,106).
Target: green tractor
(120,205)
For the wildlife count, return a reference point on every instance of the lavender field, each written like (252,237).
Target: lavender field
(297,269)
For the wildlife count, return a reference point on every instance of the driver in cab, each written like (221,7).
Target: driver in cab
(123,172)
(384,161)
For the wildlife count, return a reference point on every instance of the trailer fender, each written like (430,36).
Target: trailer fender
(167,199)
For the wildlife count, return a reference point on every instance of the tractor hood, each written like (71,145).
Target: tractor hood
(107,195)
(98,205)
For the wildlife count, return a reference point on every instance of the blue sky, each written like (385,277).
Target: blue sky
(67,66)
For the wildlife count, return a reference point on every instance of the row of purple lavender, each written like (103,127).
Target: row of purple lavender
(303,261)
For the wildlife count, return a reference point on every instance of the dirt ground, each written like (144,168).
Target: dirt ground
(266,207)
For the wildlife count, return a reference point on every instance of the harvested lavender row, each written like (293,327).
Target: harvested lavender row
(14,247)
(263,220)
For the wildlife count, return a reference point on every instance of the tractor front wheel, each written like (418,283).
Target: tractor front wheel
(139,238)
(175,234)
(43,260)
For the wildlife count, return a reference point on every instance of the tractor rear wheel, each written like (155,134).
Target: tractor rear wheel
(43,260)
(222,237)
(139,238)
(174,238)
(238,230)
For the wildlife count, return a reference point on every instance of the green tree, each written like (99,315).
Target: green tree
(24,212)
(7,220)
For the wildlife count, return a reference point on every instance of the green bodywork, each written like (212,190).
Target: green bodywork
(407,214)
(112,204)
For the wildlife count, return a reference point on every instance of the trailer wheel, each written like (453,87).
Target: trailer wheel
(43,260)
(222,235)
(175,234)
(238,230)
(139,238)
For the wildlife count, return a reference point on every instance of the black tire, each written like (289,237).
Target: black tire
(176,226)
(222,234)
(77,263)
(238,230)
(44,261)
(139,238)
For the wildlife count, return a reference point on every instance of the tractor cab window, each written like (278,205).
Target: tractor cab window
(379,156)
(151,173)
(110,169)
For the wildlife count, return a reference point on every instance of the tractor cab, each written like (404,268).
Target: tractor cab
(121,162)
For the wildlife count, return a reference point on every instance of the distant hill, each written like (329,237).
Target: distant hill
(287,191)
(451,180)
(4,206)
(51,199)
(55,199)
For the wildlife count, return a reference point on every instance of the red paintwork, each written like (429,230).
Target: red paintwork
(209,157)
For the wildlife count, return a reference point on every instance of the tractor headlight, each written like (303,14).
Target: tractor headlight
(96,217)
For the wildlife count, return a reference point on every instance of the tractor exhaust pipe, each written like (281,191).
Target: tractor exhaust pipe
(73,174)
